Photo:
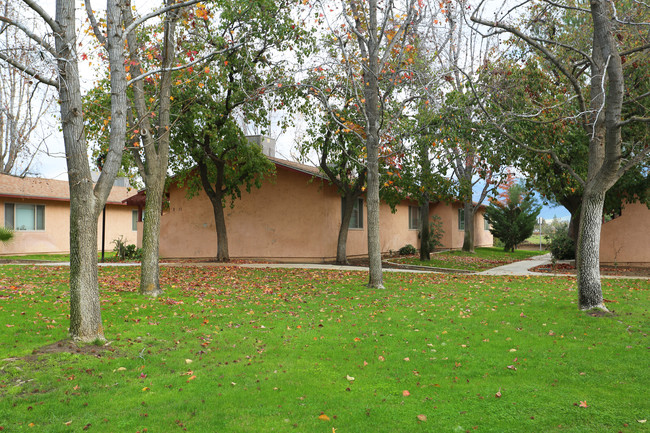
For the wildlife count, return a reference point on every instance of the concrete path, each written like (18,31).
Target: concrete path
(517,268)
(521,267)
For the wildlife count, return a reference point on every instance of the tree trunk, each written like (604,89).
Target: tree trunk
(425,252)
(220,225)
(372,107)
(150,271)
(87,200)
(153,168)
(468,239)
(372,199)
(216,198)
(341,245)
(85,310)
(574,226)
(588,261)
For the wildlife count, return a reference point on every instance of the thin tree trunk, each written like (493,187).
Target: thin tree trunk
(468,239)
(150,271)
(372,109)
(425,251)
(344,228)
(588,261)
(220,225)
(153,168)
(372,200)
(216,198)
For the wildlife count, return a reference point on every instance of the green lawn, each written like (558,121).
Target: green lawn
(108,255)
(480,260)
(534,239)
(244,350)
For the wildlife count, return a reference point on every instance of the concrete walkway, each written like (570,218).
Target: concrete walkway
(517,268)
(521,267)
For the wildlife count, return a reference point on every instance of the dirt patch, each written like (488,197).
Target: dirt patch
(70,346)
(599,313)
(569,269)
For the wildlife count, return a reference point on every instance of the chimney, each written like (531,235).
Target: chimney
(266,143)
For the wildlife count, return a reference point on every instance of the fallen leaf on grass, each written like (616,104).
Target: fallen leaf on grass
(323,417)
(192,377)
(405,393)
(422,418)
(146,388)
(350,378)
(642,421)
(583,404)
(498,394)
(188,361)
(381,358)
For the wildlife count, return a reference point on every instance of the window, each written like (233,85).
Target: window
(356,220)
(24,216)
(134,220)
(486,223)
(414,218)
(461,219)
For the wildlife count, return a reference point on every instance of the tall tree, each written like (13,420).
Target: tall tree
(151,64)
(373,44)
(604,62)
(237,88)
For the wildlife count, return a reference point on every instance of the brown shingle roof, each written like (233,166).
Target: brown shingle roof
(307,169)
(36,188)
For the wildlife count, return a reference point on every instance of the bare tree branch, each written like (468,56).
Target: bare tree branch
(577,86)
(573,8)
(56,28)
(187,65)
(30,35)
(160,11)
(634,119)
(29,71)
(93,23)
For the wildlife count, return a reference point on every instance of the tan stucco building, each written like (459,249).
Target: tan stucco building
(625,240)
(294,217)
(38,211)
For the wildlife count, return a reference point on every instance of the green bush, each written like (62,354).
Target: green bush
(562,247)
(407,250)
(126,252)
(6,235)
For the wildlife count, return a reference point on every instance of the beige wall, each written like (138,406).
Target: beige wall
(453,237)
(626,240)
(293,218)
(56,236)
